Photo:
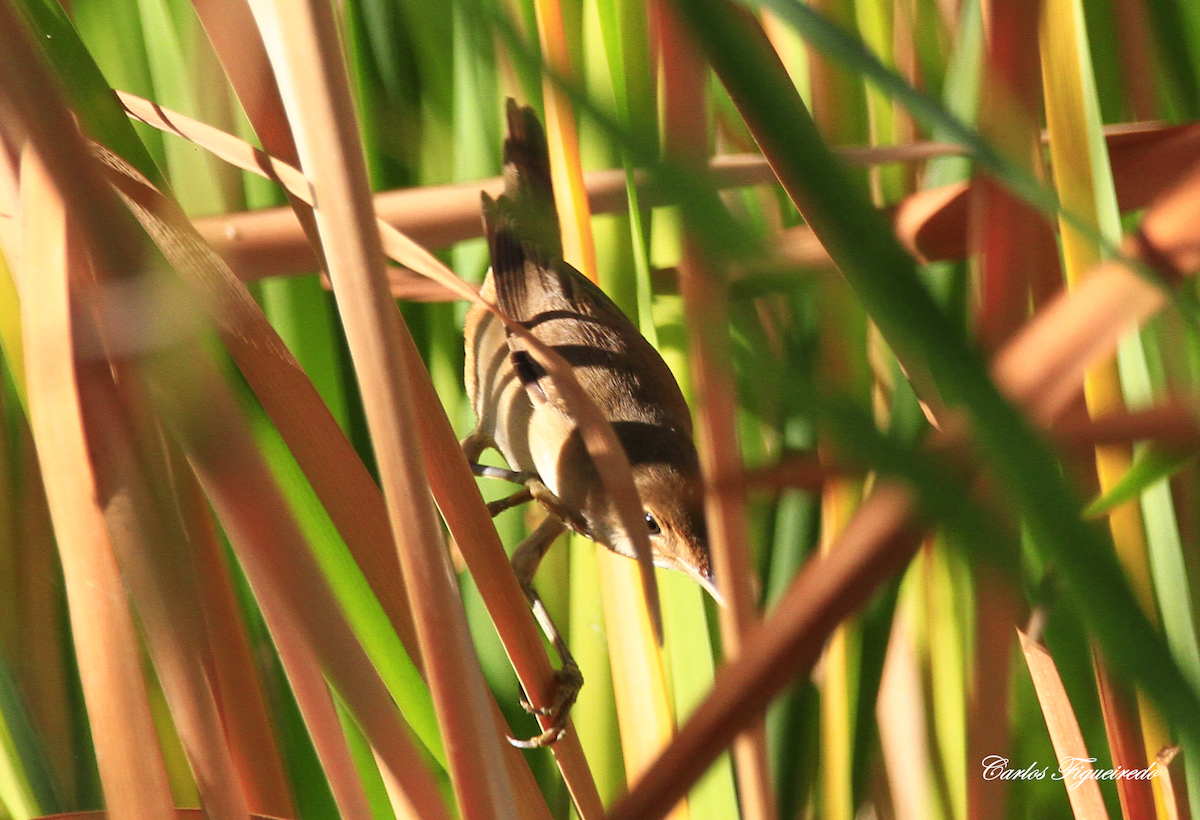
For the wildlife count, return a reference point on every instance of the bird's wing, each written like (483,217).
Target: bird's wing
(560,307)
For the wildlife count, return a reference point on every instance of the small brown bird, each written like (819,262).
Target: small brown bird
(522,415)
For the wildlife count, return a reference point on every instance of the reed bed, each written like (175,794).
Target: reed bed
(923,270)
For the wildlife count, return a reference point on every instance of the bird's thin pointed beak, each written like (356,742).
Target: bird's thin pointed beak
(705,579)
(710,584)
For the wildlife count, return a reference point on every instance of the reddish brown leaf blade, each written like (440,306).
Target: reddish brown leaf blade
(1016,245)
(231,29)
(1042,369)
(998,606)
(320,447)
(1013,245)
(1123,727)
(931,224)
(302,613)
(1145,163)
(251,735)
(1136,50)
(132,773)
(142,516)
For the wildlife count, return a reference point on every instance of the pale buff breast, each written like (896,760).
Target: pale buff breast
(505,413)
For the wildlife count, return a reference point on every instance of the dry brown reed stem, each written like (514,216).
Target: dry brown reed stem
(1084,794)
(307,56)
(1174,426)
(1136,51)
(706,305)
(34,591)
(840,114)
(1124,727)
(133,776)
(269,242)
(1010,238)
(1145,158)
(715,390)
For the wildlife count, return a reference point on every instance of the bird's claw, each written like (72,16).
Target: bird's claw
(547,738)
(568,682)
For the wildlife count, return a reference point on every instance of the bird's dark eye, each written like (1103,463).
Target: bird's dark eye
(652,524)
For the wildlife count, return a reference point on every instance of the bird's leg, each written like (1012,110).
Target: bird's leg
(532,486)
(509,501)
(501,473)
(473,446)
(525,562)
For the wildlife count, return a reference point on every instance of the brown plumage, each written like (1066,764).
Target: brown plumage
(521,413)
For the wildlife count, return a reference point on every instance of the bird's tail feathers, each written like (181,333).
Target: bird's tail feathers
(527,182)
(509,251)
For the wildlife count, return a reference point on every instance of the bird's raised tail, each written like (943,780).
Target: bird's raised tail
(509,251)
(528,189)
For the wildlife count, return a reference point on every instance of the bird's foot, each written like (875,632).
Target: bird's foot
(568,682)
